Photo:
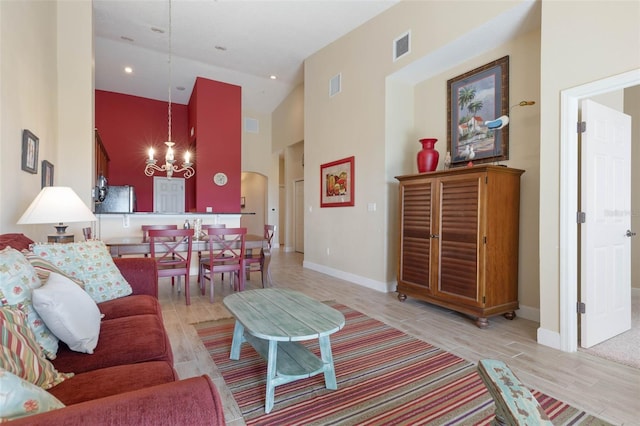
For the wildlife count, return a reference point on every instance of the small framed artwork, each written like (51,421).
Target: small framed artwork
(242,202)
(47,173)
(29,152)
(474,98)
(337,183)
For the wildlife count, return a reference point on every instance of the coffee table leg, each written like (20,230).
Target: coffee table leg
(327,359)
(272,364)
(238,338)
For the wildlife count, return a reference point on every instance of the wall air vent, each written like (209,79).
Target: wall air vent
(335,85)
(251,125)
(402,45)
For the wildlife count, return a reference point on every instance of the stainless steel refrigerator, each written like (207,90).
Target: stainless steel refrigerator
(119,199)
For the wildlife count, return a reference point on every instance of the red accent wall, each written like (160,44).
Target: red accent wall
(216,116)
(129,126)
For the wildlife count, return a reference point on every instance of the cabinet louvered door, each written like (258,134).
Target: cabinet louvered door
(459,239)
(416,199)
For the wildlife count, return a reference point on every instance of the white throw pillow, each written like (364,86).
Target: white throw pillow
(69,312)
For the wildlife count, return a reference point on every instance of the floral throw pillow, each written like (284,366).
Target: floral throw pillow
(90,262)
(17,281)
(21,398)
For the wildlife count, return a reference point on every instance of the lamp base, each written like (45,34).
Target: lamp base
(61,228)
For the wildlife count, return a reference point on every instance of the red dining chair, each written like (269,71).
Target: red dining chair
(226,254)
(204,230)
(168,248)
(255,261)
(147,228)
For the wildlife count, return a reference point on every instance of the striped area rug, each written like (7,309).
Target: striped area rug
(385,377)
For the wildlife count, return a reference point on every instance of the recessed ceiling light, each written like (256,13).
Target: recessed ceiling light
(157,30)
(273,77)
(221,48)
(125,38)
(128,70)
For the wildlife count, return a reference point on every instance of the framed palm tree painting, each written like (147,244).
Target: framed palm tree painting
(473,99)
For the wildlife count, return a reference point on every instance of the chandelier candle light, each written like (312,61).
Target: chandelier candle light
(169,167)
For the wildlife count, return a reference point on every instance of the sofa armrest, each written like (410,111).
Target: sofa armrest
(141,273)
(193,401)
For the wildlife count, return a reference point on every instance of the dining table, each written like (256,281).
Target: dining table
(138,245)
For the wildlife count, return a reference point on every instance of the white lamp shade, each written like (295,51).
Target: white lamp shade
(56,204)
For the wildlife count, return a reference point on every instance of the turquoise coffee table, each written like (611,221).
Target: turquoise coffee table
(273,321)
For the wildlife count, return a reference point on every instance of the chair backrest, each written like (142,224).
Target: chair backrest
(168,247)
(87,233)
(269,230)
(226,244)
(147,228)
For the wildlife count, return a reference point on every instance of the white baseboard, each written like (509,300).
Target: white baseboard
(529,313)
(353,278)
(549,338)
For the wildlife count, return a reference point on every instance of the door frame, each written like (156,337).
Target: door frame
(569,103)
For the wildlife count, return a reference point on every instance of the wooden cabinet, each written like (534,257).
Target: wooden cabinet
(102,158)
(459,240)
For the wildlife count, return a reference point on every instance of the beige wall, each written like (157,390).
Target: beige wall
(632,107)
(46,87)
(576,48)
(524,136)
(378,119)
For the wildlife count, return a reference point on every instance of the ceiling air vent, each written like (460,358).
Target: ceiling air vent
(251,125)
(401,46)
(335,85)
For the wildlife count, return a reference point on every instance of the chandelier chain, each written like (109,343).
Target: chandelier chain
(170,70)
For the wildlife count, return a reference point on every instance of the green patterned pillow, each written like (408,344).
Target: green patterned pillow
(44,268)
(90,262)
(21,398)
(21,355)
(17,280)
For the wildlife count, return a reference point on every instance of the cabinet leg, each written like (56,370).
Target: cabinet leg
(510,315)
(482,322)
(402,297)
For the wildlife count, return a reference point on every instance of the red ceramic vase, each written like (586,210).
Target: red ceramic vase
(428,156)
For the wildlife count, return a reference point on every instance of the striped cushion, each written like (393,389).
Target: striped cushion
(17,281)
(44,268)
(20,353)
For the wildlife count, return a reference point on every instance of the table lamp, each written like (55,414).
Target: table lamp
(56,204)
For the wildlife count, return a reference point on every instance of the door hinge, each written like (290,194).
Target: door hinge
(484,299)
(581,308)
(581,217)
(484,239)
(582,126)
(486,179)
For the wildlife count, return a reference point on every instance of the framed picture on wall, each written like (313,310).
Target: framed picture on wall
(337,183)
(47,173)
(29,152)
(474,98)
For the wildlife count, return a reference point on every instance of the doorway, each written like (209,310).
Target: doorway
(168,195)
(569,105)
(298,215)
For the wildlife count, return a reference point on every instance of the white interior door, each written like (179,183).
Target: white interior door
(298,216)
(168,195)
(606,201)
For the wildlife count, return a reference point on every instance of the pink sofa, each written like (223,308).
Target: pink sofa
(129,379)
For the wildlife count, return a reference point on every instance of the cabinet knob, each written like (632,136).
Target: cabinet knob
(435,236)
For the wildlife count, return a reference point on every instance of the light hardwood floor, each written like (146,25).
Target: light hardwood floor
(603,388)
